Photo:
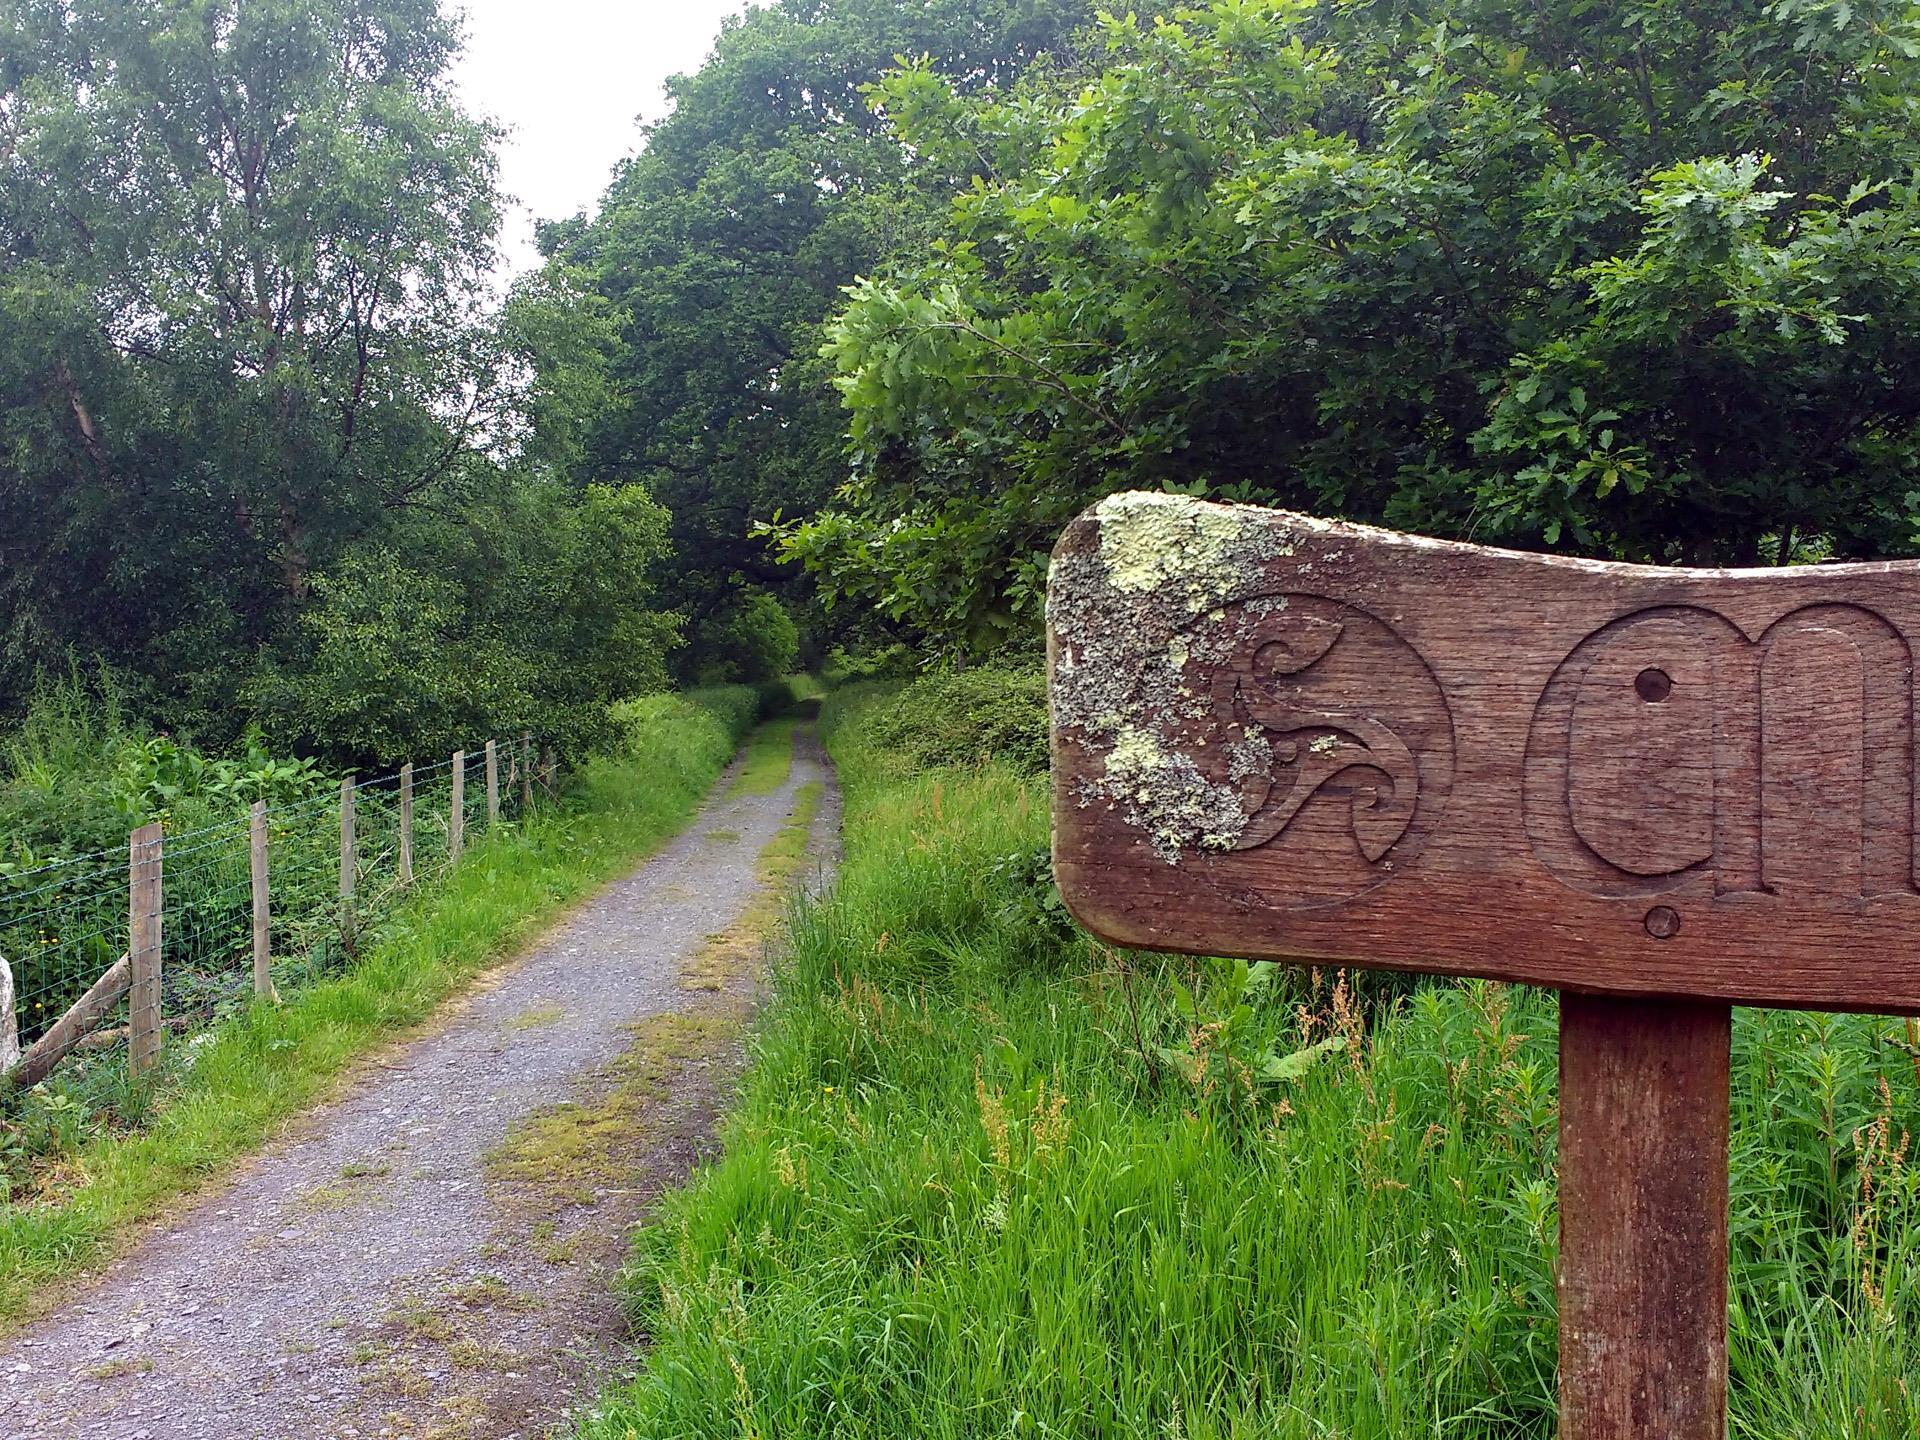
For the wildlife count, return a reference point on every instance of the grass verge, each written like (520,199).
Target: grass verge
(221,1097)
(990,1178)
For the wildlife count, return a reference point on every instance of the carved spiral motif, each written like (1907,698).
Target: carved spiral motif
(1336,734)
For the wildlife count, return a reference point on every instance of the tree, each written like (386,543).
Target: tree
(1628,280)
(724,246)
(241,248)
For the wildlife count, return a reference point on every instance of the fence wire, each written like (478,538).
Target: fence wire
(65,924)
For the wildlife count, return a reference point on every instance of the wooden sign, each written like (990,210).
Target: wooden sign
(1281,737)
(1661,791)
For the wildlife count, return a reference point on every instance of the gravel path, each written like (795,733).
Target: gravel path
(433,1254)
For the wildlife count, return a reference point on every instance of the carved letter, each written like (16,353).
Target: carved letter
(1668,743)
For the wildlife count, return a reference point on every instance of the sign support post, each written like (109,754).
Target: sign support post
(1643,1218)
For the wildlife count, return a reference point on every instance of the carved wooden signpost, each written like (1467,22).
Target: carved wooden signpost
(1663,792)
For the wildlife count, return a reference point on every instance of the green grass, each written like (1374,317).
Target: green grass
(269,1062)
(990,1179)
(805,687)
(769,759)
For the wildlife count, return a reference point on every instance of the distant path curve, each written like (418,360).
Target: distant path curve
(432,1254)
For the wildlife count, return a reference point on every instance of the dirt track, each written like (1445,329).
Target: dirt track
(432,1255)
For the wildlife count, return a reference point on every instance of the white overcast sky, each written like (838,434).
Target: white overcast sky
(572,80)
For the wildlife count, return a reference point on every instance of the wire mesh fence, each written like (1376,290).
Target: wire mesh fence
(113,950)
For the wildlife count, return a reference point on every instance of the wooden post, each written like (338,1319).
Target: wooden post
(1643,1218)
(262,919)
(348,850)
(406,823)
(457,818)
(549,764)
(1679,789)
(493,785)
(40,1057)
(144,859)
(9,1020)
(526,772)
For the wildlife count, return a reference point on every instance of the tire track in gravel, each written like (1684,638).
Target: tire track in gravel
(432,1255)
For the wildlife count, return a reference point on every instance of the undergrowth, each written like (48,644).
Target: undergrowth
(988,1177)
(218,1098)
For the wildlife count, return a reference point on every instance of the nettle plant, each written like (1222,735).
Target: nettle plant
(157,774)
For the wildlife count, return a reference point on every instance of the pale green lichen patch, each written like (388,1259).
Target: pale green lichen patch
(1134,757)
(1146,612)
(1155,543)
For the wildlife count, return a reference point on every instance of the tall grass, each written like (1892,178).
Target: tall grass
(990,1178)
(218,1099)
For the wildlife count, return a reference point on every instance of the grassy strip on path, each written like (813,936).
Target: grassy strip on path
(769,759)
(569,1148)
(730,955)
(988,1178)
(225,1095)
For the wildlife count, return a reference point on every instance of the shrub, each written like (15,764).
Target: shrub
(965,717)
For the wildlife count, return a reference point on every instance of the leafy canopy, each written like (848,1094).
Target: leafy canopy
(723,248)
(1633,280)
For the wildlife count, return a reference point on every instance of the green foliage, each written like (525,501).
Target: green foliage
(49,1124)
(753,639)
(1632,281)
(1033,904)
(161,774)
(77,773)
(705,723)
(527,621)
(239,255)
(265,442)
(957,1198)
(964,717)
(722,248)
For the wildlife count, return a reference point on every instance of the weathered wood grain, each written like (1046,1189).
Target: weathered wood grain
(1643,1218)
(493,784)
(405,862)
(457,811)
(262,900)
(349,845)
(9,1020)
(1287,738)
(145,864)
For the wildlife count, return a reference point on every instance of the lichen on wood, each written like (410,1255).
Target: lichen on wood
(1149,594)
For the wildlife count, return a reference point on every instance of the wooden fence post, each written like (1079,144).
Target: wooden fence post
(493,785)
(457,817)
(406,823)
(349,858)
(9,1021)
(549,765)
(144,859)
(262,917)
(526,772)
